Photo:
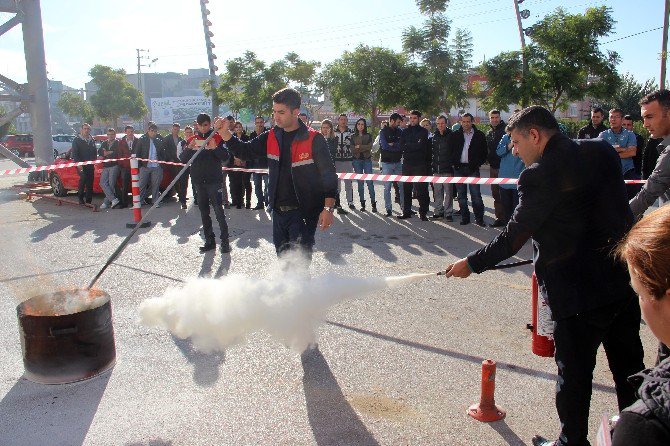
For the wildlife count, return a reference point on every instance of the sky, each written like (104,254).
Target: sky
(79,34)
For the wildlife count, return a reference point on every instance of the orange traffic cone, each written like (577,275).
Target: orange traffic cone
(487,410)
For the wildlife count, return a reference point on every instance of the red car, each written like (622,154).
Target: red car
(19,145)
(67,178)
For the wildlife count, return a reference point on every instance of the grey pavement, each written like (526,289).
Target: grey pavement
(394,368)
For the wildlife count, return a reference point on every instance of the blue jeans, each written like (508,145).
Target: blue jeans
(475,194)
(391,169)
(291,231)
(364,166)
(261,187)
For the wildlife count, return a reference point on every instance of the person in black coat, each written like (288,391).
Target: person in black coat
(572,202)
(83,149)
(416,160)
(468,156)
(442,167)
(260,179)
(151,147)
(646,249)
(173,143)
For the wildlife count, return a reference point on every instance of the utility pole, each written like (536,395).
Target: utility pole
(210,55)
(524,60)
(664,49)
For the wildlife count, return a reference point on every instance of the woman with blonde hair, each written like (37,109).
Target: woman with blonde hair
(646,249)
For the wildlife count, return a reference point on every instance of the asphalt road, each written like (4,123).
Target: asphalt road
(394,368)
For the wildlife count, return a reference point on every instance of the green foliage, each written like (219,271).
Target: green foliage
(627,96)
(564,62)
(8,128)
(74,105)
(445,66)
(115,96)
(367,80)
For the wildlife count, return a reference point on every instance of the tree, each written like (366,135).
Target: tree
(564,62)
(115,96)
(445,66)
(8,128)
(74,105)
(366,80)
(303,75)
(627,96)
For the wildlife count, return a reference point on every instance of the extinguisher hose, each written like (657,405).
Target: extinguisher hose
(502,266)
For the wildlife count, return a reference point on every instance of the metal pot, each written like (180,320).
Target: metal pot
(63,346)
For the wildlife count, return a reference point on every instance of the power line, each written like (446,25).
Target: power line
(632,35)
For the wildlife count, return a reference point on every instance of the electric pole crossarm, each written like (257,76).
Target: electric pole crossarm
(19,88)
(8,6)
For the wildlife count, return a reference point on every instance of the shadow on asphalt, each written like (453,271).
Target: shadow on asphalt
(60,271)
(37,414)
(332,419)
(463,356)
(205,366)
(507,434)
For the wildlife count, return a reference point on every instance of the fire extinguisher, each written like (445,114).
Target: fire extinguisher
(542,327)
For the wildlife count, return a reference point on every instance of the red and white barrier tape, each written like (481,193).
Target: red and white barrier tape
(341,176)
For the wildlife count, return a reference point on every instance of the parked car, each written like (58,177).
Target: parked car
(19,145)
(66,179)
(62,143)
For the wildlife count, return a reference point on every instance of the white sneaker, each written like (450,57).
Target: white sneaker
(104,205)
(115,202)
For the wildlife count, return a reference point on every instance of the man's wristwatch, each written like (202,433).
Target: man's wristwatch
(330,209)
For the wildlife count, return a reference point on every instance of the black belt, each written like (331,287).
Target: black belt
(286,208)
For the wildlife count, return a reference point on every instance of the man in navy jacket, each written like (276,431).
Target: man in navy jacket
(302,181)
(572,202)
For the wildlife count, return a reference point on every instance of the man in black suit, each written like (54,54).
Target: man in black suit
(172,152)
(469,152)
(152,147)
(572,202)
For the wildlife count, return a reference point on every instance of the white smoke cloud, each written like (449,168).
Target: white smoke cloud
(218,313)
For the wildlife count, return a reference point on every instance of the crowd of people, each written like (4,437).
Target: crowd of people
(571,200)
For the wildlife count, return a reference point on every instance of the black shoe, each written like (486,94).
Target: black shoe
(389,213)
(413,212)
(539,440)
(259,207)
(404,216)
(352,207)
(480,223)
(423,217)
(458,212)
(208,247)
(465,222)
(183,205)
(363,206)
(449,218)
(436,216)
(225,247)
(374,207)
(340,210)
(195,202)
(497,223)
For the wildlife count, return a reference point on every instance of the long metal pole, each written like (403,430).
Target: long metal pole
(524,60)
(664,49)
(33,43)
(138,225)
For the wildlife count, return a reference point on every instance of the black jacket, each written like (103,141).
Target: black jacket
(572,202)
(442,157)
(142,147)
(650,155)
(647,421)
(332,146)
(637,159)
(207,167)
(493,137)
(387,153)
(478,151)
(314,180)
(114,148)
(416,150)
(83,150)
(590,132)
(262,161)
(171,148)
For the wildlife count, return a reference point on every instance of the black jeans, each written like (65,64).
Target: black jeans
(509,200)
(122,192)
(208,194)
(86,175)
(421,190)
(577,338)
(291,231)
